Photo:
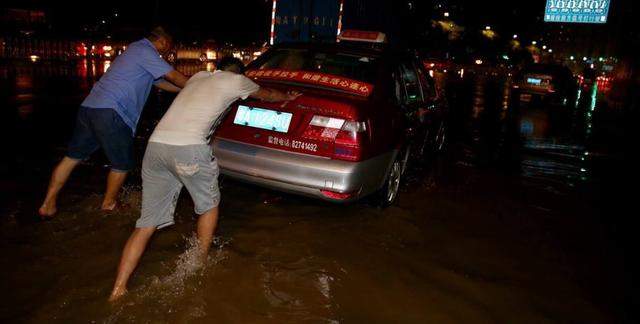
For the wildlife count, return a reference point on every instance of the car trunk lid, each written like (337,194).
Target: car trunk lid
(319,122)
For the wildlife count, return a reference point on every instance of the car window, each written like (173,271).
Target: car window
(350,65)
(428,87)
(410,86)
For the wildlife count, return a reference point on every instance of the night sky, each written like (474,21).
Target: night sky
(247,21)
(230,21)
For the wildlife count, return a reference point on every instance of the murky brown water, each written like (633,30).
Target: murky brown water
(452,254)
(501,230)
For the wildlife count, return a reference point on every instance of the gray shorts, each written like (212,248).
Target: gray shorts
(165,169)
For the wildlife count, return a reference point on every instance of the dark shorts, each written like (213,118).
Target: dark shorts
(104,128)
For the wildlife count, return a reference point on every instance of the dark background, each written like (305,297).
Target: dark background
(248,21)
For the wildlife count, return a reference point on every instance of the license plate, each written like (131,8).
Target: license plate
(263,118)
(534,81)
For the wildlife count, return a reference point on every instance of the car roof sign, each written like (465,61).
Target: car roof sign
(362,36)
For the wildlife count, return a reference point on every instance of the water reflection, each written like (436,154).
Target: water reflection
(82,68)
(24,82)
(546,142)
(555,139)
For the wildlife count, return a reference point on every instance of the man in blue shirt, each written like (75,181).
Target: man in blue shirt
(108,117)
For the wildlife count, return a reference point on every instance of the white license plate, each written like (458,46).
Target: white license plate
(263,118)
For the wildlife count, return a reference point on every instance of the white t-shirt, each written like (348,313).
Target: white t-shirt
(204,98)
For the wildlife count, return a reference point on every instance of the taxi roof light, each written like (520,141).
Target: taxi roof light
(362,36)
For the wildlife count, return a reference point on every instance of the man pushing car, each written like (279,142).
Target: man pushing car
(178,154)
(108,116)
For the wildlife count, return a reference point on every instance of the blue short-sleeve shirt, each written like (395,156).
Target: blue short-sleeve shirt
(126,85)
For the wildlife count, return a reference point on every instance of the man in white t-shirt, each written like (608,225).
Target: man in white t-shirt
(178,154)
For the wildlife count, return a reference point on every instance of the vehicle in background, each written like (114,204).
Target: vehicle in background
(364,113)
(554,84)
(588,78)
(305,21)
(207,51)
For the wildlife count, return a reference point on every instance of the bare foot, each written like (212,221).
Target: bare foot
(117,293)
(47,210)
(109,206)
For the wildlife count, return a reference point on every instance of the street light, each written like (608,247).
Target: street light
(487,27)
(515,36)
(550,51)
(544,47)
(446,14)
(534,43)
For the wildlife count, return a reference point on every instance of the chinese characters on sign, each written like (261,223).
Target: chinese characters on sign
(577,11)
(285,142)
(331,81)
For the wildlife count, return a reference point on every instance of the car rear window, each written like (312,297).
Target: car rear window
(554,71)
(352,66)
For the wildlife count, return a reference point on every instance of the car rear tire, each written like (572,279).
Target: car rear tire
(440,141)
(388,194)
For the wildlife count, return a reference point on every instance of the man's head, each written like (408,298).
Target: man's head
(231,64)
(161,40)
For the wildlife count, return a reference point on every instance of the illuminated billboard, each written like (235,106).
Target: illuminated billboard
(577,11)
(304,21)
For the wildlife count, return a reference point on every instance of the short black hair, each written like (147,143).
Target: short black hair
(230,63)
(158,33)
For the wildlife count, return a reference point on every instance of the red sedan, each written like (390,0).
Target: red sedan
(364,111)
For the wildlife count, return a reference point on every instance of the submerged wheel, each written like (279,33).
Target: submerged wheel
(388,194)
(440,141)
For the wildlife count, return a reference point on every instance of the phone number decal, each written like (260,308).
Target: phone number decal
(285,142)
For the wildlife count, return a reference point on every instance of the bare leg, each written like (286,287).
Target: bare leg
(206,227)
(115,179)
(130,257)
(59,177)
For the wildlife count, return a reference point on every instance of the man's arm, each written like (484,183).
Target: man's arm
(177,78)
(167,86)
(272,95)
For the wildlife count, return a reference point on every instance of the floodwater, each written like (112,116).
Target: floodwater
(514,224)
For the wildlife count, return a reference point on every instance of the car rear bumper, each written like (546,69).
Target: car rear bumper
(526,89)
(300,173)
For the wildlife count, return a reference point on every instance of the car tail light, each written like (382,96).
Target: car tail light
(338,195)
(345,134)
(348,144)
(323,128)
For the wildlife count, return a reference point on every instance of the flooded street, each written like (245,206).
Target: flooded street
(522,220)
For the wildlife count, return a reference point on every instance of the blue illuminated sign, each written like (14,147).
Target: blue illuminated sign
(577,11)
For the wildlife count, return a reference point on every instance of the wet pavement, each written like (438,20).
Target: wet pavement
(523,220)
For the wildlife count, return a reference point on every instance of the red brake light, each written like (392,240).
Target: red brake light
(323,128)
(348,144)
(337,195)
(345,134)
